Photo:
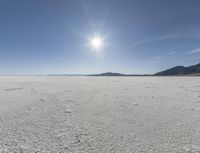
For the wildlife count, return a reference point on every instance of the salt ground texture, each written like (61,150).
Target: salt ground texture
(40,114)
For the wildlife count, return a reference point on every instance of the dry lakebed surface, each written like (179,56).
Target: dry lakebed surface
(49,114)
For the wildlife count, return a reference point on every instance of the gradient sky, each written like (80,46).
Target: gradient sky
(141,36)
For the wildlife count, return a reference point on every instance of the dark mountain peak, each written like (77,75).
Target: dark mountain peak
(179,66)
(180,70)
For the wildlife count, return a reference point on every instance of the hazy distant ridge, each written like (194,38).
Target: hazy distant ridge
(117,74)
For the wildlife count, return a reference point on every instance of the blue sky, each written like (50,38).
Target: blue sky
(140,36)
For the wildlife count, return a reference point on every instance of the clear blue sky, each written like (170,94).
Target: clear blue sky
(141,36)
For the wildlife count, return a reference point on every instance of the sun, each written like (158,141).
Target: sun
(96,42)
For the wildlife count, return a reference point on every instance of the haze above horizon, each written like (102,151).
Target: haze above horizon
(91,36)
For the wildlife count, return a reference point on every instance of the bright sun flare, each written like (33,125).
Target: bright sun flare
(96,42)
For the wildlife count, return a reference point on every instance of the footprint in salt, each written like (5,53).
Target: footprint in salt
(10,89)
(68,111)
(42,100)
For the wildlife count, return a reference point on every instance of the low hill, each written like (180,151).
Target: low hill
(108,74)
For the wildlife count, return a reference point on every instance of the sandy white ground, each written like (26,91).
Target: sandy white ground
(99,114)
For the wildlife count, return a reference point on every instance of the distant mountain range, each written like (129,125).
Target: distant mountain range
(101,74)
(181,70)
(193,70)
(115,74)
